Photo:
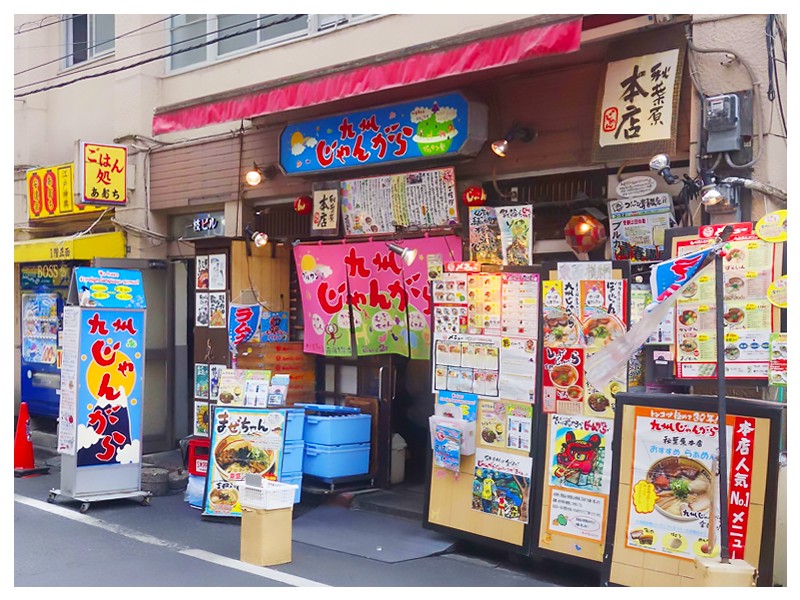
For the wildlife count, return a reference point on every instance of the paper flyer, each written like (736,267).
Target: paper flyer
(501,485)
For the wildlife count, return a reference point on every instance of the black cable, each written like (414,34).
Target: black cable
(42,24)
(155,58)
(774,89)
(126,34)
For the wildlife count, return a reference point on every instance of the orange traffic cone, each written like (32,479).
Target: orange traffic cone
(23,448)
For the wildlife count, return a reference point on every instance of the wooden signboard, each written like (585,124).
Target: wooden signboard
(282,357)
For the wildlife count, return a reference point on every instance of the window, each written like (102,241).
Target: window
(88,36)
(238,33)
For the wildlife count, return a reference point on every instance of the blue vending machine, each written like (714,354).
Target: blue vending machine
(102,387)
(43,288)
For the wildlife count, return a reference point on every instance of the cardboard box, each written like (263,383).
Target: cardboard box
(266,537)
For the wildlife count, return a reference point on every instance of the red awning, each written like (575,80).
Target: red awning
(485,54)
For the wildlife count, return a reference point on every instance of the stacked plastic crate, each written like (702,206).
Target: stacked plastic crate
(337,441)
(292,465)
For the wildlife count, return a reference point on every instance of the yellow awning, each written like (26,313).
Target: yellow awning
(85,247)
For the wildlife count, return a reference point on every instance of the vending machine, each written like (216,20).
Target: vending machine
(40,376)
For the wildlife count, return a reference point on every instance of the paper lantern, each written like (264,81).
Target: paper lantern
(474,196)
(584,233)
(302,205)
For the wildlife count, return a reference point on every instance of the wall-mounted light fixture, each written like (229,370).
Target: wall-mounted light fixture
(258,174)
(259,238)
(407,255)
(517,132)
(660,164)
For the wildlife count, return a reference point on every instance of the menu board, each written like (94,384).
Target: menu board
(243,440)
(749,267)
(423,199)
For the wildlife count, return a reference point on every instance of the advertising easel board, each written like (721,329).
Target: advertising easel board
(102,387)
(654,537)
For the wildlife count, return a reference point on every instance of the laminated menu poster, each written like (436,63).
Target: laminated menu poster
(749,317)
(236,389)
(637,226)
(243,440)
(518,369)
(578,475)
(673,486)
(484,309)
(520,304)
(516,234)
(504,424)
(423,199)
(778,355)
(467,364)
(484,236)
(501,485)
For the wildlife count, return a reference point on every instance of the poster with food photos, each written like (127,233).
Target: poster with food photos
(484,236)
(201,309)
(516,234)
(201,272)
(484,307)
(563,380)
(217,310)
(201,383)
(466,364)
(749,266)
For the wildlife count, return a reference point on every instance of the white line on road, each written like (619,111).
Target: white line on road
(145,538)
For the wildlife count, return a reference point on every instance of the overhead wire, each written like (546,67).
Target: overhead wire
(114,39)
(154,58)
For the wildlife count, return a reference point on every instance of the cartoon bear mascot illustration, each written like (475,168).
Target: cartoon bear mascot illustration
(577,458)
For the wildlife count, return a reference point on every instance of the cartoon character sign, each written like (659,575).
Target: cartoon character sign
(502,484)
(579,450)
(577,458)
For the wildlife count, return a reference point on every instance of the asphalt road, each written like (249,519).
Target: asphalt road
(120,543)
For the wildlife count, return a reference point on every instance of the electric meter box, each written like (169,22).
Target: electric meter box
(723,123)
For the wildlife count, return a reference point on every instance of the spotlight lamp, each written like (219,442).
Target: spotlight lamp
(259,238)
(517,132)
(407,255)
(258,174)
(660,164)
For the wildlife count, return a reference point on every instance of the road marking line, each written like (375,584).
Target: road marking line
(232,563)
(145,538)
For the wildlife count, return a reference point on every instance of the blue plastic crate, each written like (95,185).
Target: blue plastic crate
(296,479)
(292,457)
(335,430)
(336,461)
(295,419)
(329,409)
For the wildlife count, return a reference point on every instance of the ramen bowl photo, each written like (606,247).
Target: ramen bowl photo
(236,456)
(564,376)
(683,487)
(601,331)
(575,393)
(224,499)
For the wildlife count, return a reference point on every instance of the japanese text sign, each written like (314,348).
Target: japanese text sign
(325,213)
(102,173)
(110,386)
(637,99)
(243,322)
(107,288)
(50,193)
(437,126)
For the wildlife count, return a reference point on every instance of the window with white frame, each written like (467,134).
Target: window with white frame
(197,39)
(88,36)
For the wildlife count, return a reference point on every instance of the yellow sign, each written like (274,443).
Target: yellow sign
(50,193)
(772,227)
(776,293)
(103,173)
(85,247)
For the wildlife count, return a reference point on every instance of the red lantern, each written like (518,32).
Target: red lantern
(474,196)
(584,233)
(302,205)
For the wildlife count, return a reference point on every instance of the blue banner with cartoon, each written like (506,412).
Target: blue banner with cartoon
(274,326)
(423,128)
(243,320)
(110,387)
(107,288)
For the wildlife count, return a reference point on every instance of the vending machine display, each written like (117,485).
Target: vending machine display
(40,352)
